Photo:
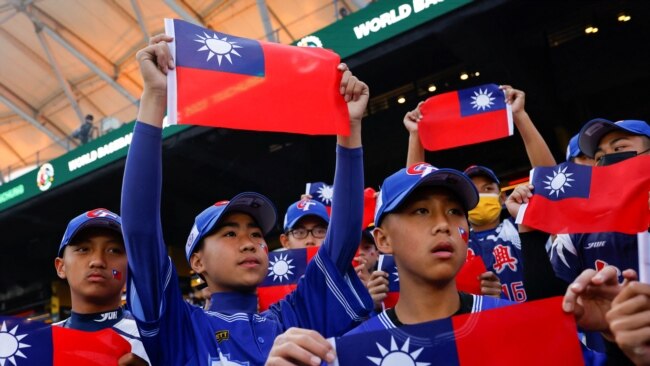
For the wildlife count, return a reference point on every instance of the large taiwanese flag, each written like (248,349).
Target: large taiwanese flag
(27,343)
(465,117)
(466,279)
(286,267)
(533,333)
(571,198)
(225,81)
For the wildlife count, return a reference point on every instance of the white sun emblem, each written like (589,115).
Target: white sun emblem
(281,268)
(482,100)
(558,181)
(325,194)
(397,357)
(220,47)
(10,344)
(396,274)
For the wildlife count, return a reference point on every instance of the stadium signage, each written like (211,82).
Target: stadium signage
(376,23)
(78,162)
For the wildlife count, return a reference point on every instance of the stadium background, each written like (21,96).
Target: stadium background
(569,72)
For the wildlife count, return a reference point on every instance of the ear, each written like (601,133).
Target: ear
(196,262)
(382,241)
(59,265)
(284,240)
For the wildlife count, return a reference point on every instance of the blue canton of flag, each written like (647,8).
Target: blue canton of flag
(25,343)
(199,48)
(484,98)
(388,265)
(286,267)
(322,192)
(432,342)
(566,180)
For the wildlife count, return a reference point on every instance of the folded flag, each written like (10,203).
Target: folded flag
(226,81)
(466,279)
(286,267)
(491,337)
(465,117)
(26,343)
(571,198)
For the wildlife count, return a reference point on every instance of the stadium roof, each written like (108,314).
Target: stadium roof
(63,59)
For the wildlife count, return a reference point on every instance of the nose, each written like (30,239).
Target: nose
(248,245)
(440,225)
(97,260)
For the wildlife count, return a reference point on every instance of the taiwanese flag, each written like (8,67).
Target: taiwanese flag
(533,333)
(465,117)
(571,198)
(466,279)
(321,192)
(27,343)
(369,204)
(286,267)
(226,81)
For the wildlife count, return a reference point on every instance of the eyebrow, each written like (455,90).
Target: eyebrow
(613,142)
(236,226)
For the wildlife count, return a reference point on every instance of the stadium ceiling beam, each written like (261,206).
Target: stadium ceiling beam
(189,15)
(32,111)
(33,121)
(59,74)
(282,25)
(42,19)
(13,151)
(135,4)
(266,20)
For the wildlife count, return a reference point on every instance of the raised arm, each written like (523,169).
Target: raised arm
(148,261)
(344,231)
(415,153)
(538,152)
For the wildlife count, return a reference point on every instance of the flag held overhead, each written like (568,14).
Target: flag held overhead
(233,82)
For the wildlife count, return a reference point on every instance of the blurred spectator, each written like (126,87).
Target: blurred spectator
(85,132)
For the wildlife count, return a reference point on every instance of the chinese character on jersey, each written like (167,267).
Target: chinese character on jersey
(502,258)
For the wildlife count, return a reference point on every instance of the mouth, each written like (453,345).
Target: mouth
(95,277)
(443,250)
(249,262)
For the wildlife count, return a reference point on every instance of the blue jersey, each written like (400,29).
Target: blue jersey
(468,304)
(573,253)
(329,298)
(119,320)
(500,249)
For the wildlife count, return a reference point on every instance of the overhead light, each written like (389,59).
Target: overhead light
(401,100)
(623,17)
(432,88)
(464,76)
(591,29)
(477,74)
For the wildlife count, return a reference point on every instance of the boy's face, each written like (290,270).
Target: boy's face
(369,252)
(485,185)
(621,141)
(308,225)
(423,235)
(234,257)
(88,263)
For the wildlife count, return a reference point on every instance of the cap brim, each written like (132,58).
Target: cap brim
(592,132)
(256,205)
(482,171)
(316,214)
(100,222)
(452,179)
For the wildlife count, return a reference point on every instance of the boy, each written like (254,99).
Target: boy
(226,247)
(421,220)
(305,224)
(92,259)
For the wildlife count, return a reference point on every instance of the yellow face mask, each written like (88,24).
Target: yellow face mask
(487,210)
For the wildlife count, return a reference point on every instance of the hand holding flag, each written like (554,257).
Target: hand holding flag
(571,198)
(465,117)
(226,81)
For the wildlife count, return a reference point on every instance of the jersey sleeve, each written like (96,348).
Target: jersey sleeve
(330,298)
(153,296)
(564,258)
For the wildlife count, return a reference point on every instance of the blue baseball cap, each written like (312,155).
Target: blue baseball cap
(593,131)
(475,170)
(99,217)
(399,186)
(572,149)
(302,208)
(258,206)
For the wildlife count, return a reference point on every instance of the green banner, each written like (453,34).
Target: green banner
(74,164)
(376,23)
